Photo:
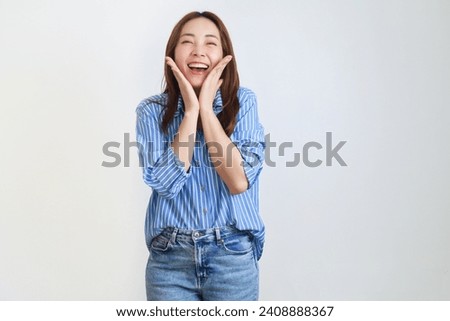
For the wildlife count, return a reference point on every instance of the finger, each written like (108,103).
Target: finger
(219,83)
(172,64)
(224,62)
(218,69)
(176,71)
(227,59)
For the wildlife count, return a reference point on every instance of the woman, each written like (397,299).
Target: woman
(202,148)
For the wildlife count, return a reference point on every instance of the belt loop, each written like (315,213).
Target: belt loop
(174,235)
(218,237)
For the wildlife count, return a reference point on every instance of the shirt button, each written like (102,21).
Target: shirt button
(202,187)
(205,210)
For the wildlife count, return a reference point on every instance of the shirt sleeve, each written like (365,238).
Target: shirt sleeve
(162,169)
(248,136)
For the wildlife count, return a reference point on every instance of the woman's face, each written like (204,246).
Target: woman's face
(198,50)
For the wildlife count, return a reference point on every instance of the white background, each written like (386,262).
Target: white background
(374,73)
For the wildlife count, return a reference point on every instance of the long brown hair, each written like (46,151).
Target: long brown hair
(229,87)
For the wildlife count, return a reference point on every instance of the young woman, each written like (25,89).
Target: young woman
(202,147)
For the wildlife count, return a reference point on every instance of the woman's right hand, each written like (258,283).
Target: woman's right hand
(187,91)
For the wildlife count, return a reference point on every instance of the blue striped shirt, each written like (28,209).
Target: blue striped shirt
(199,199)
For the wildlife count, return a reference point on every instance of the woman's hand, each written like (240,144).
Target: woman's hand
(187,91)
(212,83)
(209,88)
(184,141)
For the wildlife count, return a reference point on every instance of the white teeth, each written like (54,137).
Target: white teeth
(198,65)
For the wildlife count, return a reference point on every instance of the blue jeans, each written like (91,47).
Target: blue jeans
(212,265)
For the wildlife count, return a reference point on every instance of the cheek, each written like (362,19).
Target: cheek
(179,57)
(180,63)
(216,57)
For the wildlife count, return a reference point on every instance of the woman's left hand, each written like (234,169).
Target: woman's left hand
(212,83)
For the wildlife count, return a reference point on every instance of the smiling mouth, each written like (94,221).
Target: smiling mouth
(198,66)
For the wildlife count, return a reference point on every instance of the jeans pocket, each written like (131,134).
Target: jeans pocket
(160,243)
(239,243)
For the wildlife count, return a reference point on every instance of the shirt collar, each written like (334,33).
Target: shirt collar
(217,104)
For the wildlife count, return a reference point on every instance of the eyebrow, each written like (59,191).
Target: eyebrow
(192,35)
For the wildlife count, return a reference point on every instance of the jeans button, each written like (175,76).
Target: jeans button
(196,234)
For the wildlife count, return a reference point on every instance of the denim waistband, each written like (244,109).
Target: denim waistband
(215,233)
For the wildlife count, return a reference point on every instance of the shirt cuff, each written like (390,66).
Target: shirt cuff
(169,172)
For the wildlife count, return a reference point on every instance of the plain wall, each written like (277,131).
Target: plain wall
(375,74)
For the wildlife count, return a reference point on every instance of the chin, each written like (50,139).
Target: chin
(197,85)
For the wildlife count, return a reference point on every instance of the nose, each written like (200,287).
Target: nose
(198,51)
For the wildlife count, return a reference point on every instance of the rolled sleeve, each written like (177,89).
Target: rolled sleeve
(248,137)
(162,169)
